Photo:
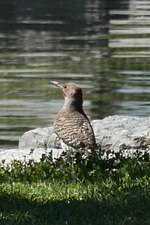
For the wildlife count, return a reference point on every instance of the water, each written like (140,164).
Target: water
(103,46)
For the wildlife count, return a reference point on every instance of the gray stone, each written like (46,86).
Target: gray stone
(118,133)
(37,138)
(113,133)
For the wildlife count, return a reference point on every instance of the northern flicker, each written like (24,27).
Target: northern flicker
(72,125)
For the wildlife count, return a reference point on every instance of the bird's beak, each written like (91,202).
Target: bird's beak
(57,84)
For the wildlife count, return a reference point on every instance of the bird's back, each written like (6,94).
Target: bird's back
(74,129)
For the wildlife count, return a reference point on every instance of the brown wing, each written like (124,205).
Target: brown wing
(74,129)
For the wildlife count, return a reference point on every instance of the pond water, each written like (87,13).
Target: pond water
(103,46)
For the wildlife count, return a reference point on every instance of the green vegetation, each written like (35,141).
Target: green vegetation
(76,191)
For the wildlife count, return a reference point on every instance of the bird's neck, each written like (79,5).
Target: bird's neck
(72,104)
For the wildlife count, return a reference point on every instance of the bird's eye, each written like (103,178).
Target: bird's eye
(65,86)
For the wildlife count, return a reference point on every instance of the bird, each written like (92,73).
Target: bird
(72,125)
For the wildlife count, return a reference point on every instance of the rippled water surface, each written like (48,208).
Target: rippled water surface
(102,46)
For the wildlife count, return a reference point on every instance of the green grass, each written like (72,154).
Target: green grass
(90,192)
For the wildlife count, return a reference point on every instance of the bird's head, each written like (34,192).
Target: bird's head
(70,90)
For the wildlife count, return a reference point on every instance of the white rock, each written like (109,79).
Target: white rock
(6,156)
(114,133)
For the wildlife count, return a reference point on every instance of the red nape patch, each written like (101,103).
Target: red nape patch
(78,93)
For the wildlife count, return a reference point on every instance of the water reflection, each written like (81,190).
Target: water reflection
(102,46)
